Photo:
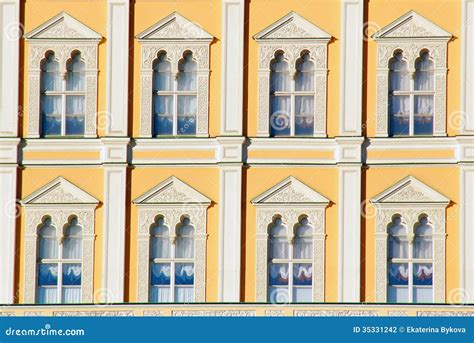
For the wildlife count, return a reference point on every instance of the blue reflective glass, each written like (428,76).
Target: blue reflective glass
(72,274)
(160,274)
(184,274)
(48,274)
(423,274)
(398,274)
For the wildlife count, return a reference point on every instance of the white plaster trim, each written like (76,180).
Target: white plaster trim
(118,12)
(9,67)
(233,16)
(172,199)
(349,232)
(350,103)
(410,202)
(113,231)
(466,219)
(290,199)
(230,216)
(292,34)
(8,180)
(467,69)
(57,204)
(167,35)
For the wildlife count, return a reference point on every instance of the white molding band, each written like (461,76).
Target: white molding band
(352,22)
(349,233)
(230,216)
(233,16)
(467,68)
(8,179)
(9,64)
(118,12)
(466,233)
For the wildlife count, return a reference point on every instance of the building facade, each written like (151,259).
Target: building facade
(225,151)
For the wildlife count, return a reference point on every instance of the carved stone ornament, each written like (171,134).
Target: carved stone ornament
(175,35)
(411,34)
(172,199)
(63,35)
(290,199)
(409,199)
(59,200)
(292,35)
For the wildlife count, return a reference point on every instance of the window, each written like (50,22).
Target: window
(62,79)
(172,263)
(59,264)
(411,78)
(172,243)
(410,243)
(63,97)
(174,96)
(410,266)
(292,97)
(411,96)
(292,78)
(291,263)
(174,79)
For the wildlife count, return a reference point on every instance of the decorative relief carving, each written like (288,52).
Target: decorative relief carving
(445,313)
(335,313)
(213,313)
(93,314)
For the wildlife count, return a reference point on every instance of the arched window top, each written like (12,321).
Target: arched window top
(304,63)
(73,229)
(187,73)
(423,227)
(304,229)
(278,229)
(185,228)
(47,230)
(398,62)
(397,227)
(187,63)
(424,62)
(304,78)
(161,63)
(75,63)
(50,73)
(279,63)
(159,228)
(424,72)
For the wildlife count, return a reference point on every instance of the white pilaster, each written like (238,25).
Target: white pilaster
(467,233)
(230,214)
(114,156)
(8,216)
(9,50)
(467,68)
(117,67)
(349,165)
(233,15)
(352,22)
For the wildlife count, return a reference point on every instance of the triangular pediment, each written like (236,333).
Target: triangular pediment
(412,25)
(59,192)
(172,191)
(292,26)
(290,191)
(63,27)
(175,27)
(410,190)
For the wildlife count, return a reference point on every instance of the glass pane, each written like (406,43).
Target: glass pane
(278,295)
(48,248)
(47,295)
(51,125)
(423,294)
(280,115)
(160,247)
(398,247)
(399,115)
(303,247)
(184,247)
(48,274)
(398,273)
(75,104)
(423,274)
(423,247)
(160,294)
(278,274)
(72,248)
(302,274)
(187,74)
(160,274)
(280,75)
(302,295)
(279,247)
(424,75)
(184,294)
(75,124)
(184,274)
(163,110)
(397,294)
(186,125)
(75,80)
(304,78)
(187,105)
(304,115)
(72,273)
(162,76)
(423,121)
(71,295)
(50,77)
(399,78)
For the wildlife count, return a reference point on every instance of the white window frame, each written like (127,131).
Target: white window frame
(60,261)
(62,35)
(410,199)
(172,199)
(174,35)
(292,35)
(411,34)
(60,200)
(172,260)
(290,200)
